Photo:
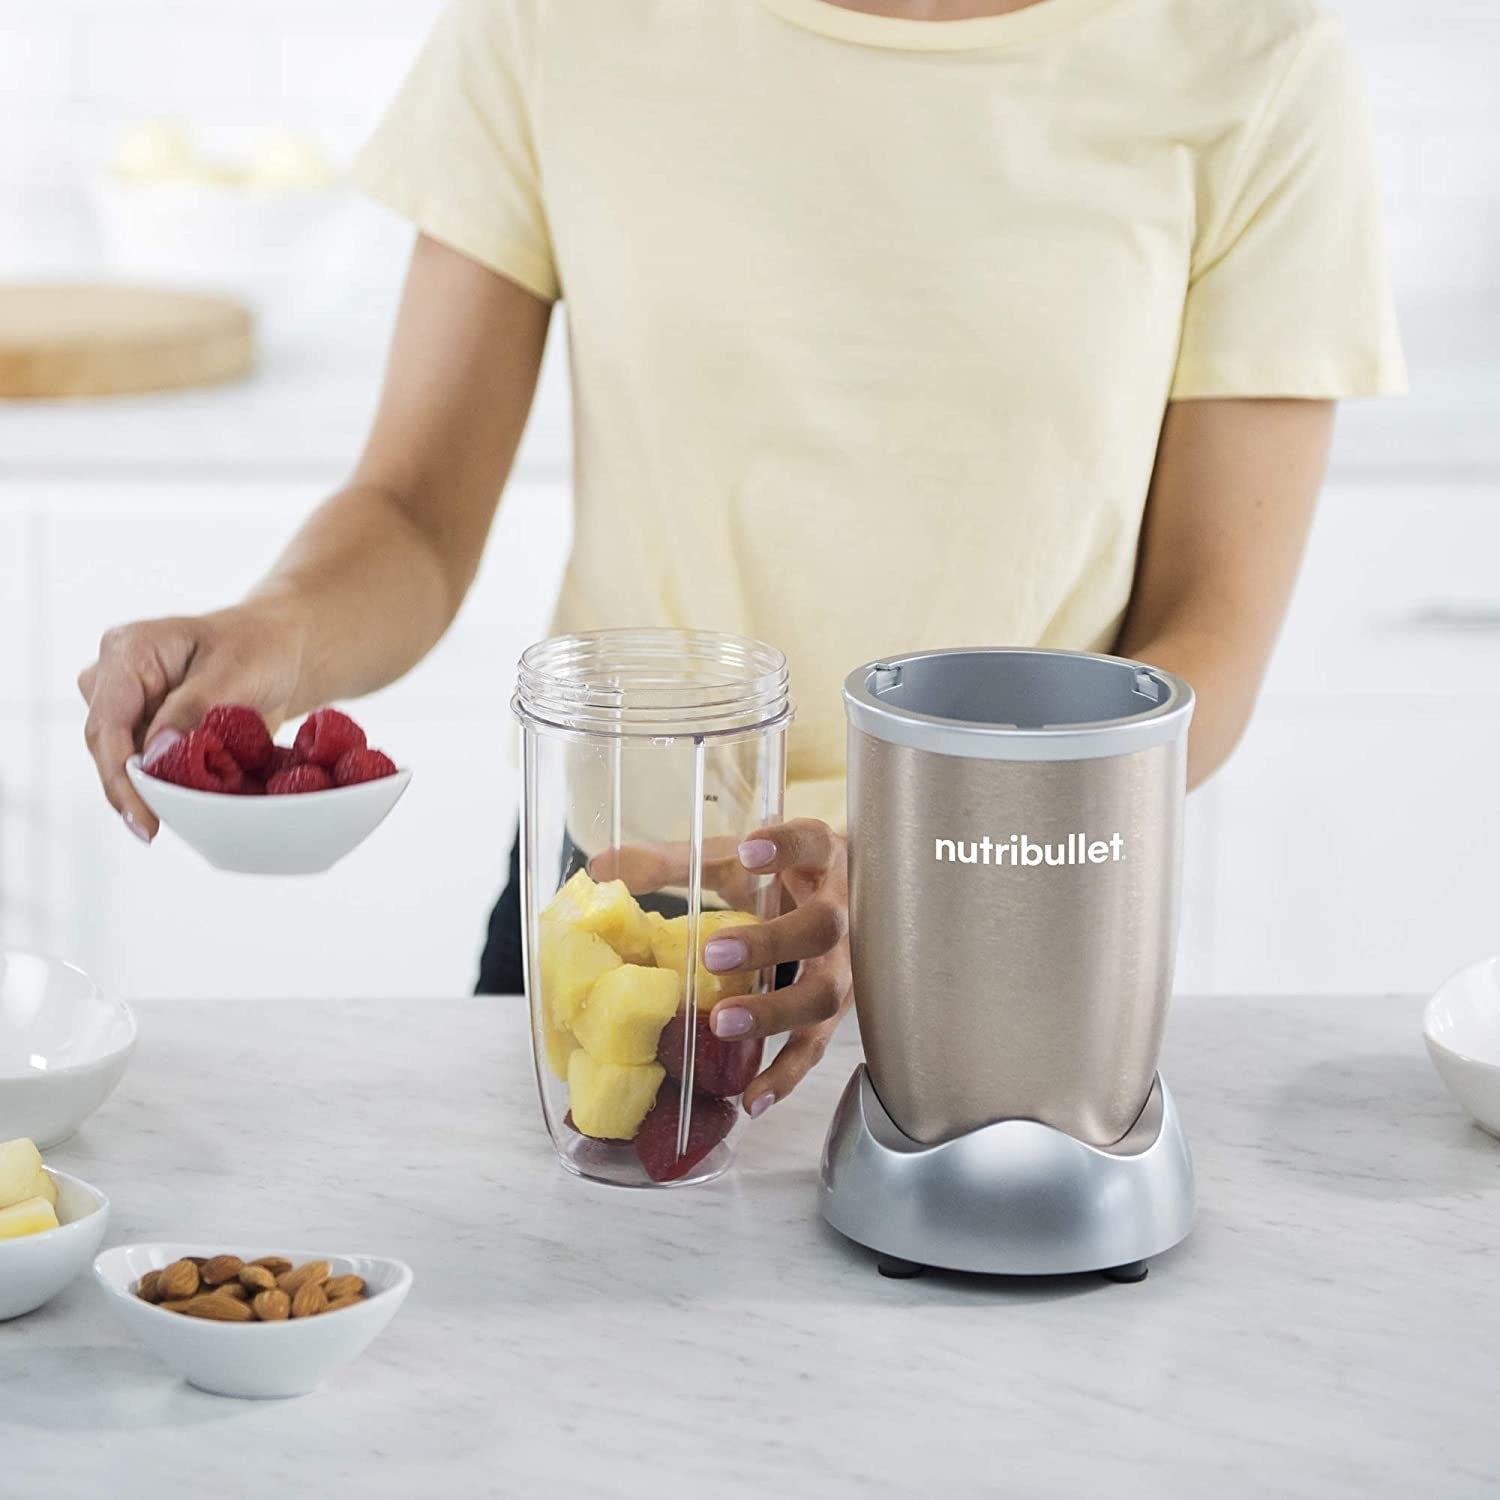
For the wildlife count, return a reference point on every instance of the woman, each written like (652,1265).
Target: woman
(893,324)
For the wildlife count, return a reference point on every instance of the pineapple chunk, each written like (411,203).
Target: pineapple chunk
(669,941)
(571,960)
(609,1101)
(623,1016)
(558,1045)
(42,1186)
(31,1216)
(608,910)
(20,1163)
(571,899)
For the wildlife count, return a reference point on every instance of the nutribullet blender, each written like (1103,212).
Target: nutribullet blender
(1015,834)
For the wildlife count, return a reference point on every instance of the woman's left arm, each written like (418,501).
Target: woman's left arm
(1227,517)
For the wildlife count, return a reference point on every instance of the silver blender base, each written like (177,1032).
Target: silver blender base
(1016,1197)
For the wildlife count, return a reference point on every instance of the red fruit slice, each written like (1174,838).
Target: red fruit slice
(325,735)
(656,1140)
(355,766)
(720,1068)
(200,762)
(297,779)
(244,735)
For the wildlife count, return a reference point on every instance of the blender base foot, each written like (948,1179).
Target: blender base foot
(1011,1198)
(1137,1270)
(896,1268)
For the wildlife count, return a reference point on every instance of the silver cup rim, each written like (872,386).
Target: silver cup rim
(1163,720)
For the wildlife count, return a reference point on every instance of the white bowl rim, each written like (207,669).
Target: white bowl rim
(402,1284)
(98,992)
(100,1205)
(1440,995)
(222,799)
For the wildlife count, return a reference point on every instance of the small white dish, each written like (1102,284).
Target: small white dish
(299,835)
(256,1360)
(36,1267)
(1461,1027)
(64,1044)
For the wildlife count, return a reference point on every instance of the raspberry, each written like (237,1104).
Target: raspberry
(656,1140)
(355,766)
(244,734)
(325,735)
(295,779)
(201,763)
(723,1069)
(283,757)
(171,764)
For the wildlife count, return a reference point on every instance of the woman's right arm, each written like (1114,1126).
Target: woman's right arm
(375,576)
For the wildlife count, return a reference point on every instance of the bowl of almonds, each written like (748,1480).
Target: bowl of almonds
(242,1323)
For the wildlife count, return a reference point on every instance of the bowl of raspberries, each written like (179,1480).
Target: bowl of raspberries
(249,805)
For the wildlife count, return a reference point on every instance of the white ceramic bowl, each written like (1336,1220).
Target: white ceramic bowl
(1461,1027)
(301,835)
(63,1045)
(253,1359)
(35,1268)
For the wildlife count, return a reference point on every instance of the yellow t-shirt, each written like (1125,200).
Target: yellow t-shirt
(872,321)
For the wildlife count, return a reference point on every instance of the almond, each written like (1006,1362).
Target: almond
(291,1282)
(179,1280)
(216,1308)
(221,1268)
(272,1306)
(226,1289)
(309,1300)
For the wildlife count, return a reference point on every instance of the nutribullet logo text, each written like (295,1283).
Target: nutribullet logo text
(1020,850)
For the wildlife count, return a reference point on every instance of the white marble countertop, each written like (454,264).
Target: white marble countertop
(1331,1329)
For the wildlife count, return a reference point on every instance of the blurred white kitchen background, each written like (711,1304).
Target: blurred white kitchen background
(1353,845)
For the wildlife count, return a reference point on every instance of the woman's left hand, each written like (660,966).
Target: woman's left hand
(812,861)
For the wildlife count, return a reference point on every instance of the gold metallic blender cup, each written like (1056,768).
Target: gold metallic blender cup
(1015,837)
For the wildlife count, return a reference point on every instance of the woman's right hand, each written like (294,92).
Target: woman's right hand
(154,680)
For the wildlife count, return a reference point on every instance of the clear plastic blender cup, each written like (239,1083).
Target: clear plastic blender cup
(648,756)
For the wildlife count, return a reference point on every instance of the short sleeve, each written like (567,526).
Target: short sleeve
(1288,293)
(456,152)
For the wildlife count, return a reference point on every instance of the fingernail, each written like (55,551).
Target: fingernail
(760,1104)
(720,954)
(733,1020)
(160,744)
(754,853)
(136,828)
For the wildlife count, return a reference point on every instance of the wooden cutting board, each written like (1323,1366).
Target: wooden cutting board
(63,341)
